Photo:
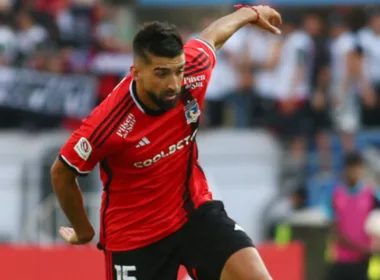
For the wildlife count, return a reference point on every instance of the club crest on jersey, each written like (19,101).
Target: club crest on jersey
(192,112)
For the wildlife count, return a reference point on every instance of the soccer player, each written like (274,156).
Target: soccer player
(157,211)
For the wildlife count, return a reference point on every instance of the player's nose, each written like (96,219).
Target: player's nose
(174,85)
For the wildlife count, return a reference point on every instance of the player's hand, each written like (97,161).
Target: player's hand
(269,19)
(71,237)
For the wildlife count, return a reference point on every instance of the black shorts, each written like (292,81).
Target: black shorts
(202,245)
(348,271)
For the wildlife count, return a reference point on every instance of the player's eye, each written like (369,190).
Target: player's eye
(180,72)
(161,75)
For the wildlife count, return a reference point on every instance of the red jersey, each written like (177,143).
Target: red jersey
(148,159)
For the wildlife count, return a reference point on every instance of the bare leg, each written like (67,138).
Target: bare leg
(245,264)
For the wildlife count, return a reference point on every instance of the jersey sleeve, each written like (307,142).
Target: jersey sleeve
(200,62)
(93,141)
(201,54)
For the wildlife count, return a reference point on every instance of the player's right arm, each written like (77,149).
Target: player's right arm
(222,29)
(66,187)
(87,146)
(78,157)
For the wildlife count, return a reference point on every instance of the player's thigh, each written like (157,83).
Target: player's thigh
(157,261)
(214,241)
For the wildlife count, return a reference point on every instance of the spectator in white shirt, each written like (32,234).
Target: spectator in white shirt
(369,46)
(344,91)
(30,36)
(7,42)
(319,113)
(292,88)
(263,53)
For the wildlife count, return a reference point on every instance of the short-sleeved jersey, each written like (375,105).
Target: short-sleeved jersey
(148,159)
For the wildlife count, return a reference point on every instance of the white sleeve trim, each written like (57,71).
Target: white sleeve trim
(73,166)
(209,47)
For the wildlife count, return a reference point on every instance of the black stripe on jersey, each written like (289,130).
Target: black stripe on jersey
(116,124)
(196,65)
(196,159)
(198,57)
(120,110)
(123,100)
(188,202)
(107,170)
(186,97)
(200,69)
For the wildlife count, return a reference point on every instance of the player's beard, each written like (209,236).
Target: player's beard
(159,100)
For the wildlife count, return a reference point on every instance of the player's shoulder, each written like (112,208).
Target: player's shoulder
(117,101)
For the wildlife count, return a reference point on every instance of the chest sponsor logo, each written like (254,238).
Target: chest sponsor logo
(165,153)
(127,126)
(194,82)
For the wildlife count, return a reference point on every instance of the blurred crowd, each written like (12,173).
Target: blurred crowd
(64,37)
(320,79)
(319,76)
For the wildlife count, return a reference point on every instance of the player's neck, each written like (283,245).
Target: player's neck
(144,98)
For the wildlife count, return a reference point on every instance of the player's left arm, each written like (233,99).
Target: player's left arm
(222,29)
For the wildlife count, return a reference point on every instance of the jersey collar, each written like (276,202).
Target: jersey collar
(141,105)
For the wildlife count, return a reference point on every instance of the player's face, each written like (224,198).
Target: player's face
(162,80)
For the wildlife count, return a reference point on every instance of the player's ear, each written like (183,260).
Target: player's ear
(134,72)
